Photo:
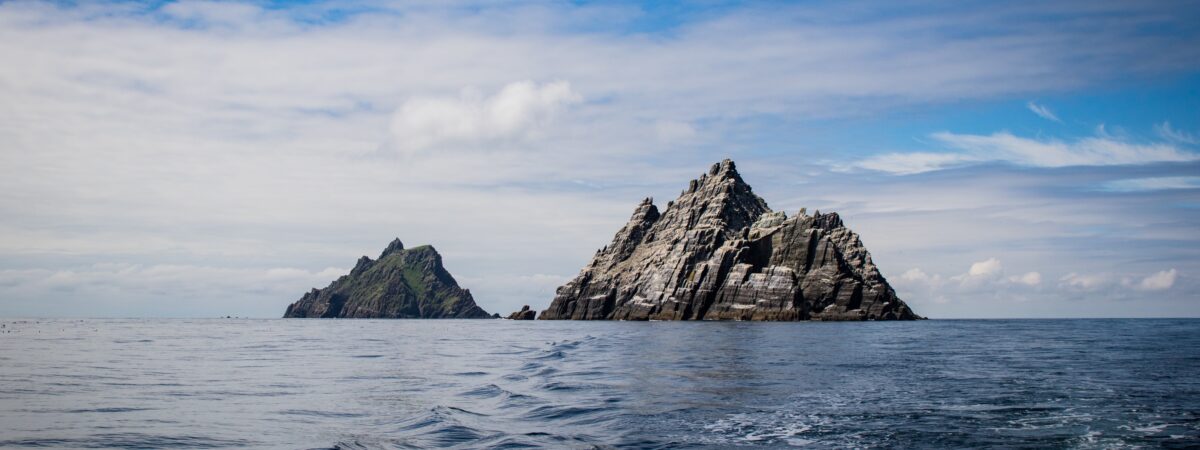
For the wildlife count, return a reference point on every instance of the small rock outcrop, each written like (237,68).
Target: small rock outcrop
(524,314)
(400,284)
(719,253)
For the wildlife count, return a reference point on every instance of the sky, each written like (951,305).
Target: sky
(202,159)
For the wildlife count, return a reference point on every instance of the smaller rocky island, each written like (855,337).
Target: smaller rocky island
(400,284)
(524,314)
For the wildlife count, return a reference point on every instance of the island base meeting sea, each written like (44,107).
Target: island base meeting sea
(287,384)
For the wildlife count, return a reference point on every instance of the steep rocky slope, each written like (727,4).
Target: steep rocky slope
(402,283)
(719,253)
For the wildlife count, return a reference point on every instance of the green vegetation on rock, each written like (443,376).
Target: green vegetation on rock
(401,283)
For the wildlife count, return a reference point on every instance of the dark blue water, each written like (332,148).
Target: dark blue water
(507,384)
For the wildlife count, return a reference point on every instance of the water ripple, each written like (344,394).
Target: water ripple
(368,384)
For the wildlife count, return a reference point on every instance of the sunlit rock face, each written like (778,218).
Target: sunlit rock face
(401,284)
(719,253)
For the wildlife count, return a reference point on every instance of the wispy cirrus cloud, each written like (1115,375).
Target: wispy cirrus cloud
(1151,184)
(1171,134)
(966,149)
(1043,112)
(913,163)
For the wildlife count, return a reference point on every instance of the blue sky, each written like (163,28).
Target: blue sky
(1030,159)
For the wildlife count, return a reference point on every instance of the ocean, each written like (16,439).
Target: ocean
(365,384)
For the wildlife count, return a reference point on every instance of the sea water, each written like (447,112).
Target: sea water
(218,383)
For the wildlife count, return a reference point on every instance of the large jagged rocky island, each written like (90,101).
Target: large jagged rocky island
(400,284)
(719,253)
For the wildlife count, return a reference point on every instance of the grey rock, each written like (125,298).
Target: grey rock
(524,314)
(719,253)
(401,283)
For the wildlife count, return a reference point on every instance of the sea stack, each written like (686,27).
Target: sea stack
(719,253)
(524,314)
(400,284)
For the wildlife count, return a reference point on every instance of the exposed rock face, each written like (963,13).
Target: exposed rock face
(719,253)
(524,314)
(402,283)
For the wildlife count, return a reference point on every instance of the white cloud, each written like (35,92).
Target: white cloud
(989,267)
(1028,279)
(912,163)
(1159,281)
(517,111)
(919,276)
(1084,282)
(982,278)
(1042,111)
(1091,151)
(1152,184)
(1099,150)
(985,279)
(1166,131)
(982,274)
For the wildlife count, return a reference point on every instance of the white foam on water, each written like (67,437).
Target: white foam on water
(764,428)
(1153,428)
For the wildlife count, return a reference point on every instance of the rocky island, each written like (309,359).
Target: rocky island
(719,253)
(524,314)
(400,284)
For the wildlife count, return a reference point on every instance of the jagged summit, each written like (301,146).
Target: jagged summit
(393,247)
(402,283)
(718,252)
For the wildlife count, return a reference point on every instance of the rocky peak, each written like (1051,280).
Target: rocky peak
(719,199)
(402,283)
(363,264)
(725,169)
(718,252)
(393,247)
(827,221)
(629,236)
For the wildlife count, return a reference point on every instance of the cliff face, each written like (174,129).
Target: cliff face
(719,253)
(402,283)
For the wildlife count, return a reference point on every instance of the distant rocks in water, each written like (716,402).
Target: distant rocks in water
(401,284)
(719,253)
(524,314)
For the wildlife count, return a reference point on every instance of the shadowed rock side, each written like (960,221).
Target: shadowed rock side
(401,284)
(524,314)
(719,253)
